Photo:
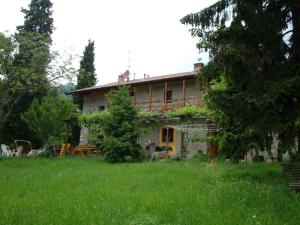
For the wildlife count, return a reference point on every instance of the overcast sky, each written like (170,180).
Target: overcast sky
(149,29)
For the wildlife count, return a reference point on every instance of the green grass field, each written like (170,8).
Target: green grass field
(90,191)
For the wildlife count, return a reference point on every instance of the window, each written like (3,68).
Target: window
(131,93)
(101,107)
(167,135)
(169,96)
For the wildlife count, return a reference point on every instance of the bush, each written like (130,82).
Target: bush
(189,110)
(115,131)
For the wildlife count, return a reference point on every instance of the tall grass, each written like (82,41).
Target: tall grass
(90,191)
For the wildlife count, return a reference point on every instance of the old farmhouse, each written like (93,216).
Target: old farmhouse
(158,94)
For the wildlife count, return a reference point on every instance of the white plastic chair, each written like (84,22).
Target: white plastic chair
(5,150)
(18,151)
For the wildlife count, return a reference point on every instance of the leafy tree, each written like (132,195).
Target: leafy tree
(253,70)
(30,60)
(48,120)
(86,76)
(15,81)
(7,96)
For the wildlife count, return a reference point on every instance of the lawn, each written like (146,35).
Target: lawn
(90,191)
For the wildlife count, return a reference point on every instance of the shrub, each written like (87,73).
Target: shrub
(189,110)
(48,119)
(115,131)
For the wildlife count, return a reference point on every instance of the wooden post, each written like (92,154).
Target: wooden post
(150,97)
(167,152)
(134,95)
(183,92)
(165,97)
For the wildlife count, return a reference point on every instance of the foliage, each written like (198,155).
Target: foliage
(30,58)
(37,30)
(8,85)
(147,114)
(93,121)
(148,118)
(48,120)
(86,76)
(189,110)
(115,131)
(93,118)
(38,18)
(16,82)
(144,193)
(253,72)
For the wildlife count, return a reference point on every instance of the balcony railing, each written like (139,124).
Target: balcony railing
(162,106)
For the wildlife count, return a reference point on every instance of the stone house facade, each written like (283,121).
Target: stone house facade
(158,94)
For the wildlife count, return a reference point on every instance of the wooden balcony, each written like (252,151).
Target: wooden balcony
(162,106)
(165,103)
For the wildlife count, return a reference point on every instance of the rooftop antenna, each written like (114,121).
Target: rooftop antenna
(129,59)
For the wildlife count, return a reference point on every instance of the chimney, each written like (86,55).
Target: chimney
(145,75)
(198,67)
(121,78)
(124,76)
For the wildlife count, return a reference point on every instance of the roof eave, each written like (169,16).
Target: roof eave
(132,83)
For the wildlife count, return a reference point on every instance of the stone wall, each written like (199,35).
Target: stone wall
(192,129)
(196,132)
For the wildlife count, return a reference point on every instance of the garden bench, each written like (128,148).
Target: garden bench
(86,149)
(292,172)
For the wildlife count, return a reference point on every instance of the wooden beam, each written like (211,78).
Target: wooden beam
(150,97)
(183,92)
(165,96)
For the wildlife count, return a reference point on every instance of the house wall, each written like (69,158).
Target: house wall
(93,100)
(195,147)
(192,95)
(142,100)
(193,129)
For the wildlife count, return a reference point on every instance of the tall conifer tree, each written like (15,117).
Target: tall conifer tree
(34,37)
(253,70)
(86,76)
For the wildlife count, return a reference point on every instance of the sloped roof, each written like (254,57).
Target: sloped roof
(140,81)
